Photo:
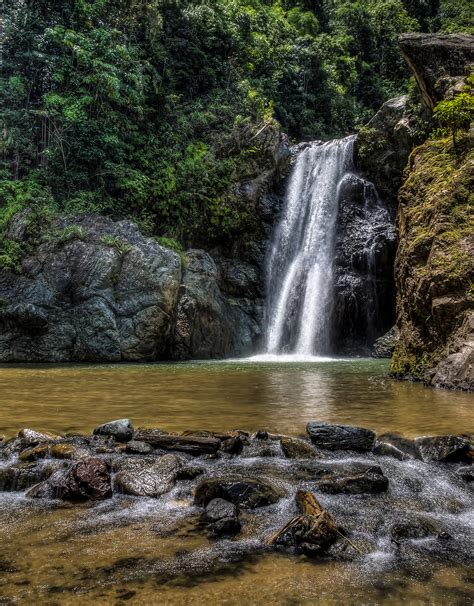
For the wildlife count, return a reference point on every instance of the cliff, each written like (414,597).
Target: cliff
(434,268)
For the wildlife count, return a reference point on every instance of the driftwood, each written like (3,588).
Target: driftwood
(192,444)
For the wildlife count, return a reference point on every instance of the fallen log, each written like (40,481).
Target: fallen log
(192,444)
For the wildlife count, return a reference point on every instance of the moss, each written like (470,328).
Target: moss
(121,246)
(65,234)
(434,259)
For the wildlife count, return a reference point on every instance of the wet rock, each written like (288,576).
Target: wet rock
(189,473)
(246,493)
(388,450)
(222,517)
(261,447)
(466,473)
(192,444)
(233,445)
(358,480)
(385,345)
(138,447)
(405,445)
(415,528)
(452,449)
(147,477)
(67,451)
(87,479)
(340,437)
(33,454)
(30,437)
(21,476)
(311,533)
(121,430)
(294,448)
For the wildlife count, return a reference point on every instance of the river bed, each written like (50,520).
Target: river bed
(129,550)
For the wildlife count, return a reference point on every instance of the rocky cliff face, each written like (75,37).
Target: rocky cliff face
(435,260)
(92,289)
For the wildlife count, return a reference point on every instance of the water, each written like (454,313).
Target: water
(140,551)
(300,284)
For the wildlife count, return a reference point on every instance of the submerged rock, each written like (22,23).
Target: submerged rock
(386,449)
(246,493)
(401,443)
(32,454)
(138,447)
(340,437)
(449,449)
(121,430)
(21,476)
(222,517)
(87,479)
(147,477)
(356,480)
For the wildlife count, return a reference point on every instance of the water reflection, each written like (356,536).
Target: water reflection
(215,396)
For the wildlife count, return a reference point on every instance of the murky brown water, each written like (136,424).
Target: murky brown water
(221,396)
(125,551)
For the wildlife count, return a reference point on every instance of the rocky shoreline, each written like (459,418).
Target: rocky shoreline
(339,492)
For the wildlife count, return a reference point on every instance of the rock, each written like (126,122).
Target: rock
(121,430)
(222,517)
(294,448)
(448,449)
(399,442)
(103,293)
(21,476)
(433,57)
(30,437)
(466,473)
(358,479)
(243,492)
(388,450)
(385,345)
(416,528)
(195,445)
(147,477)
(37,452)
(65,450)
(215,317)
(233,445)
(340,437)
(311,533)
(189,473)
(138,447)
(87,479)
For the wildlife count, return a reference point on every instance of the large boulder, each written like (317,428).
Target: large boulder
(147,477)
(87,479)
(243,492)
(437,60)
(91,290)
(330,436)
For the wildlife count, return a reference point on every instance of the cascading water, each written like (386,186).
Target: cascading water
(300,292)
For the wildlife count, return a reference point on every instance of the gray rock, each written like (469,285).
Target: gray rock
(21,476)
(466,473)
(246,493)
(448,449)
(121,430)
(401,443)
(138,447)
(384,345)
(147,477)
(388,450)
(217,509)
(340,437)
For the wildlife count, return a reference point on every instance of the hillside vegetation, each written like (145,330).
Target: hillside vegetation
(152,109)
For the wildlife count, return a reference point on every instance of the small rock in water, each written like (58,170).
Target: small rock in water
(389,450)
(222,517)
(294,448)
(30,437)
(138,447)
(66,451)
(246,493)
(34,453)
(340,437)
(354,481)
(466,473)
(448,449)
(405,445)
(121,430)
(147,477)
(87,479)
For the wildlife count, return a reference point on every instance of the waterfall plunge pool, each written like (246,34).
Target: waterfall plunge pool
(138,550)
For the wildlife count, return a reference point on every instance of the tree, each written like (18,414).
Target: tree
(455,114)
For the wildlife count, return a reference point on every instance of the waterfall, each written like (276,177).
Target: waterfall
(300,270)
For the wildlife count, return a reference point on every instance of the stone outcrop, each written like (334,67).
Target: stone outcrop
(434,267)
(438,61)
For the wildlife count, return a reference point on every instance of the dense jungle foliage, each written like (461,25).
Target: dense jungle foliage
(152,109)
